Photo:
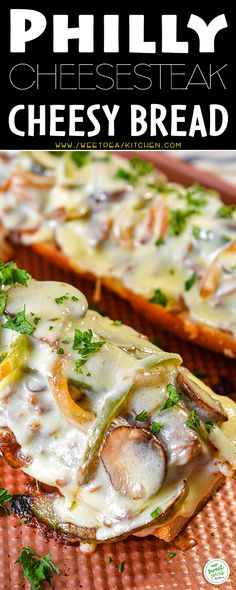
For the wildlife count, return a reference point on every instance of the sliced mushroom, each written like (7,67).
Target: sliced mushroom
(134,460)
(208,407)
(181,443)
(11,450)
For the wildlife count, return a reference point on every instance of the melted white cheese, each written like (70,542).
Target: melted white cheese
(107,226)
(122,368)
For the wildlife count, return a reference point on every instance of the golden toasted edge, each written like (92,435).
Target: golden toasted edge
(171,529)
(176,323)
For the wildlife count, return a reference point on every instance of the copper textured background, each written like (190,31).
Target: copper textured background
(146,562)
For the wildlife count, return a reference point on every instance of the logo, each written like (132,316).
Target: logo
(216,571)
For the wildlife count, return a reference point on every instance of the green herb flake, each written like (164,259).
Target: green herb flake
(109,559)
(19,323)
(84,346)
(159,298)
(226,211)
(160,242)
(117,323)
(36,320)
(178,218)
(171,554)
(65,341)
(50,328)
(156,512)
(35,568)
(79,158)
(5,497)
(193,197)
(141,167)
(193,420)
(60,350)
(122,174)
(209,426)
(59,300)
(156,427)
(74,298)
(11,275)
(3,301)
(121,567)
(173,397)
(190,282)
(142,416)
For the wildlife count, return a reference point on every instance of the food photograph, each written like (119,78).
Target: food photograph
(117,370)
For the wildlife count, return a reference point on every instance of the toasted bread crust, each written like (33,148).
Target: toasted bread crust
(72,535)
(177,323)
(171,529)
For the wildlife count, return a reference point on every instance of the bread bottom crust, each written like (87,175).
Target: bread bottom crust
(177,323)
(171,529)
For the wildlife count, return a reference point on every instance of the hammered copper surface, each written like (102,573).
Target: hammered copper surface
(146,562)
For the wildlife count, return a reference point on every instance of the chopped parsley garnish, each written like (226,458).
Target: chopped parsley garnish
(59,300)
(142,416)
(165,188)
(200,374)
(84,346)
(156,512)
(117,323)
(11,275)
(109,559)
(79,158)
(173,397)
(159,298)
(209,425)
(193,199)
(156,427)
(5,497)
(226,211)
(171,554)
(3,300)
(178,218)
(60,350)
(160,242)
(35,568)
(141,167)
(190,282)
(50,327)
(65,341)
(19,323)
(121,567)
(123,174)
(193,420)
(36,320)
(74,298)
